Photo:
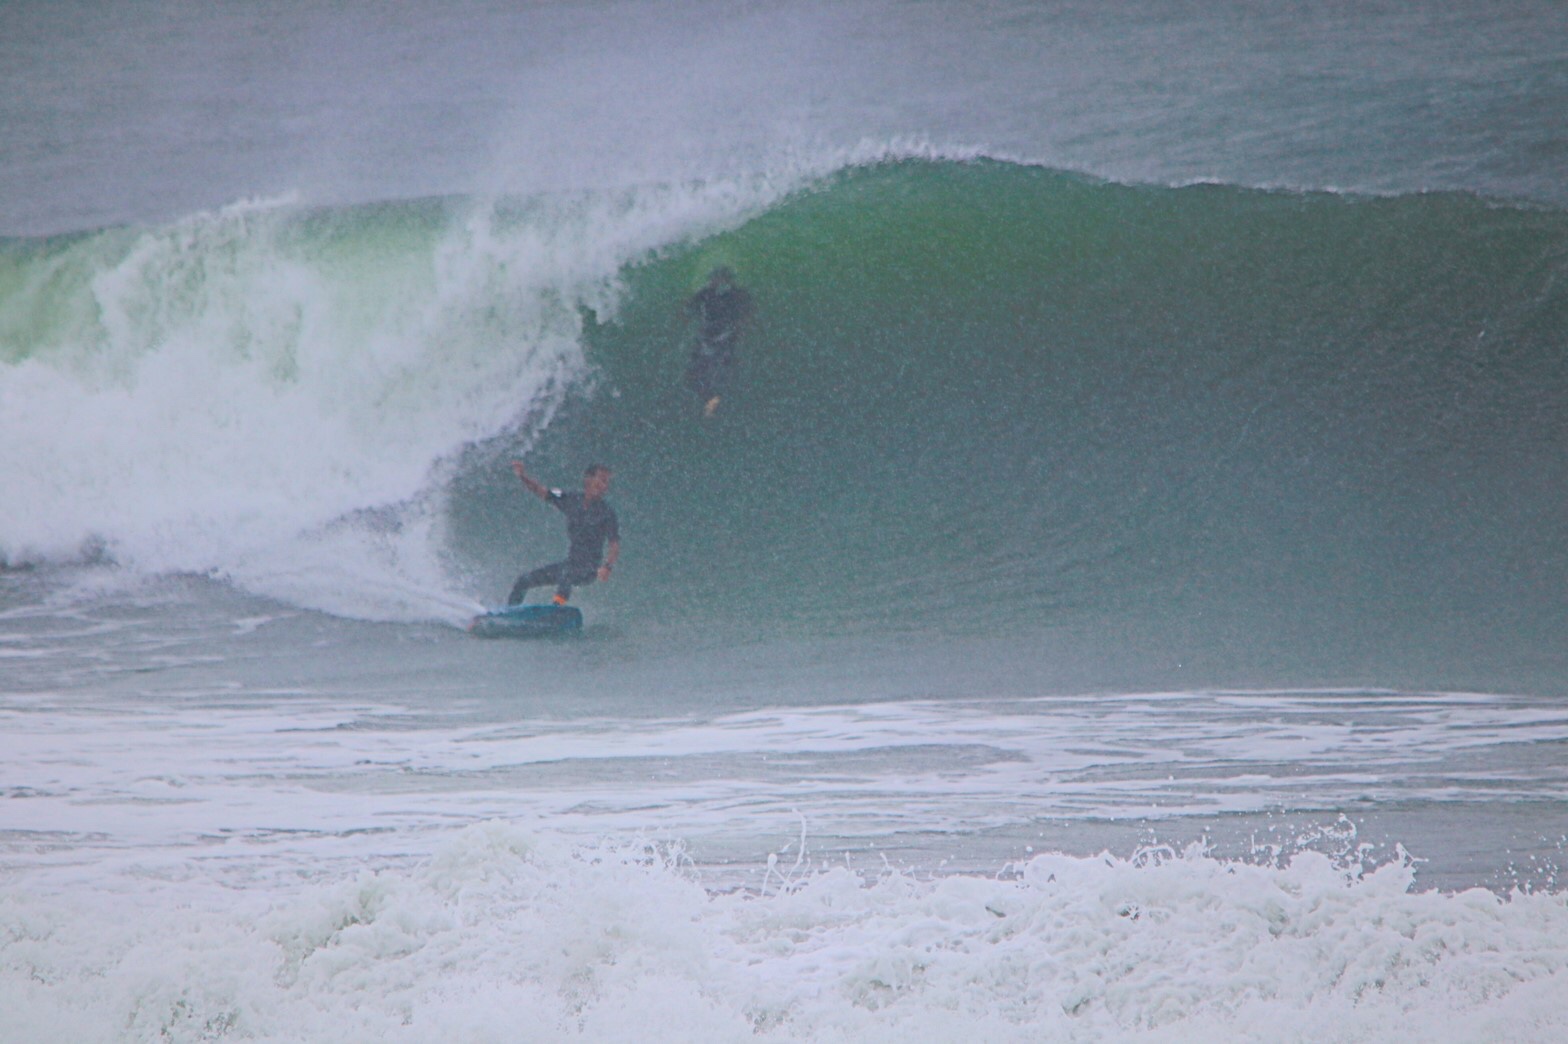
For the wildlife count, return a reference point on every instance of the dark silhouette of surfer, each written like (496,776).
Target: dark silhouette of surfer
(590,522)
(722,309)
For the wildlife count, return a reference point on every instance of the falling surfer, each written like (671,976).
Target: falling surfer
(722,309)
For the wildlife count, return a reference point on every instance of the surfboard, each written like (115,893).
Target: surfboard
(527,621)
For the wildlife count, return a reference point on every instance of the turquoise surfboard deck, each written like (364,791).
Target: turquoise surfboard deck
(527,621)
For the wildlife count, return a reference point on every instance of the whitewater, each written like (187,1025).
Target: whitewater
(1124,597)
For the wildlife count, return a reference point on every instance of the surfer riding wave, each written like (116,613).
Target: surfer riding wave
(590,524)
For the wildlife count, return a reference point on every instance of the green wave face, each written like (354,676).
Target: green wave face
(1294,438)
(1295,434)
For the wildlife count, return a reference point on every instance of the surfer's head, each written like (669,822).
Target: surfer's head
(596,481)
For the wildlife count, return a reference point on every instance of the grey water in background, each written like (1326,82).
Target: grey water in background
(147,112)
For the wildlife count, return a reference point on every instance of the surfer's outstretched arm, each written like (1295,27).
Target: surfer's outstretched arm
(533,486)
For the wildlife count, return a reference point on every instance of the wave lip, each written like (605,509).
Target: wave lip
(244,385)
(981,397)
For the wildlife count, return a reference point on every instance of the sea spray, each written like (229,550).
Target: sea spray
(241,386)
(510,933)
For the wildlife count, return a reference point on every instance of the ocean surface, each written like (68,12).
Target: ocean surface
(1124,597)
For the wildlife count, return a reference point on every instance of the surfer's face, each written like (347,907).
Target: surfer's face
(596,485)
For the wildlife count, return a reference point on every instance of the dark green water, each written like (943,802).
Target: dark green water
(1117,435)
(1203,434)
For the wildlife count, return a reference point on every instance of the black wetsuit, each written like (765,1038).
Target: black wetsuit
(721,311)
(589,525)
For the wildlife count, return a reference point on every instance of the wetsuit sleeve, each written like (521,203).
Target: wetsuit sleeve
(612,528)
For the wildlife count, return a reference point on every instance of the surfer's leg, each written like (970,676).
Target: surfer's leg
(570,577)
(699,375)
(710,371)
(538,578)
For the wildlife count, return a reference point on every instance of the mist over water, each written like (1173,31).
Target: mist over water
(1123,597)
(148,115)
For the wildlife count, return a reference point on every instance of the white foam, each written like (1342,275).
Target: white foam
(288,864)
(245,395)
(510,933)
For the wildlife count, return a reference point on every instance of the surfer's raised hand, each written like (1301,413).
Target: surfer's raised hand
(532,486)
